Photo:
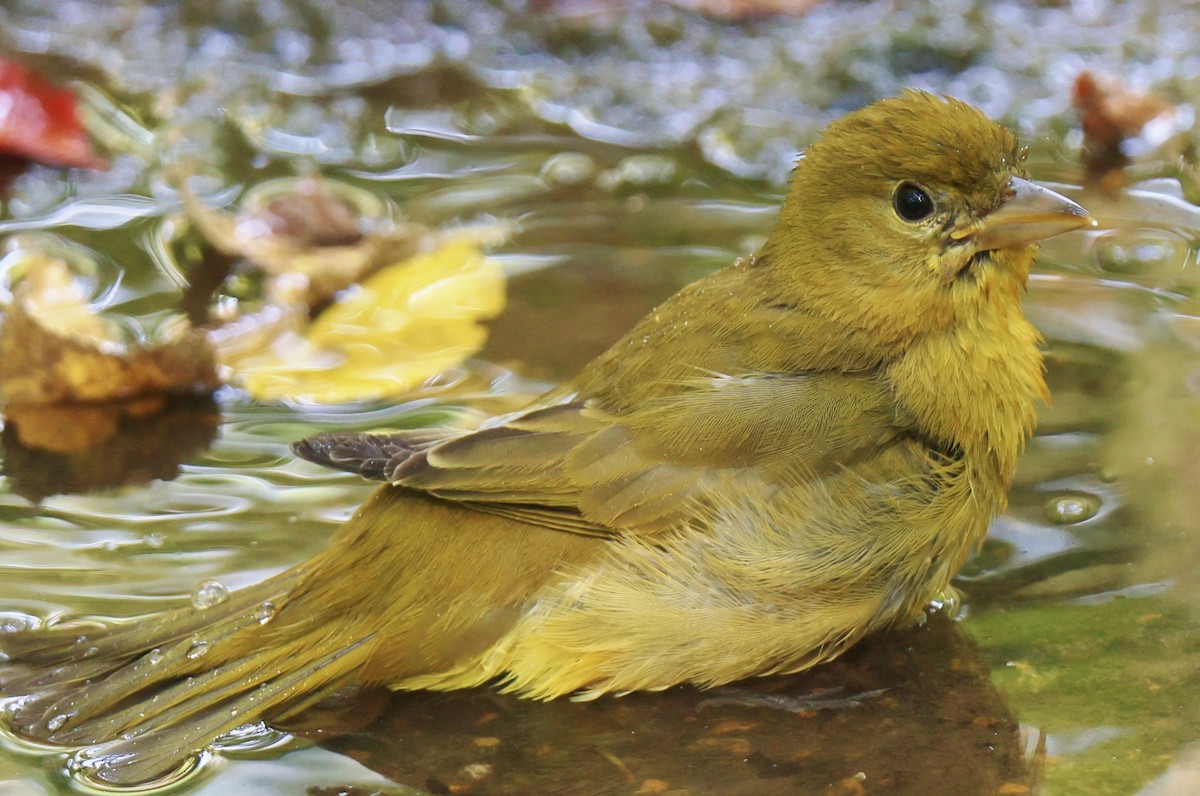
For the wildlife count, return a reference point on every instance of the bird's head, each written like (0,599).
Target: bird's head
(912,214)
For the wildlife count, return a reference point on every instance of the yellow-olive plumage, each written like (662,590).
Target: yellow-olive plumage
(784,456)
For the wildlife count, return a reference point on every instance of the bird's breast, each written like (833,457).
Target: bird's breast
(973,387)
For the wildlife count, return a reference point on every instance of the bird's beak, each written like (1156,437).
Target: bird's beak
(1029,213)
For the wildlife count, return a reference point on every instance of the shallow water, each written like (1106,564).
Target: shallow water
(1074,669)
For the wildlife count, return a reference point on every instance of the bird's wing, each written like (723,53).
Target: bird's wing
(576,467)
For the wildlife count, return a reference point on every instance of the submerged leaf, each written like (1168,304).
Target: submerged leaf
(381,338)
(311,237)
(312,216)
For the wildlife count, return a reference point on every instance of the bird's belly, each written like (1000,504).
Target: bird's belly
(766,587)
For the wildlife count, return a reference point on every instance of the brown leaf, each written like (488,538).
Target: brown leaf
(311,237)
(55,348)
(1112,114)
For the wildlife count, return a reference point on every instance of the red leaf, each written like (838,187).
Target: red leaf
(38,120)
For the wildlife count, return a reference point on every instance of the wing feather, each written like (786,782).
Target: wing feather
(572,466)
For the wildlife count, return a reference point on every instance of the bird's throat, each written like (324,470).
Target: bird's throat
(974,386)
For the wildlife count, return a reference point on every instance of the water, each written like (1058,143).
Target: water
(639,150)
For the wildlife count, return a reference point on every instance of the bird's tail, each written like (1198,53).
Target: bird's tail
(150,694)
(391,599)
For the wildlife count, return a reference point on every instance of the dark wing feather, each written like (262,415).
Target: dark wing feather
(373,456)
(572,466)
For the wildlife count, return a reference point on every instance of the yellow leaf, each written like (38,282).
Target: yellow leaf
(385,336)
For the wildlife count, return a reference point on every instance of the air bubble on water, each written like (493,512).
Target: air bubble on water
(251,737)
(1072,508)
(209,593)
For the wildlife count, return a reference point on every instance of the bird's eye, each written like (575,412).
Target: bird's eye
(912,203)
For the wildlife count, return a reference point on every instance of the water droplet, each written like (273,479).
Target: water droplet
(154,657)
(1071,508)
(198,649)
(209,593)
(56,723)
(265,612)
(154,540)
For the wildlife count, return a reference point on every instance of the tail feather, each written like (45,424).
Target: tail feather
(147,696)
(83,714)
(389,600)
(117,661)
(43,651)
(154,748)
(192,695)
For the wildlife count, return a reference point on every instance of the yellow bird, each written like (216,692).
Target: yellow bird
(789,454)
